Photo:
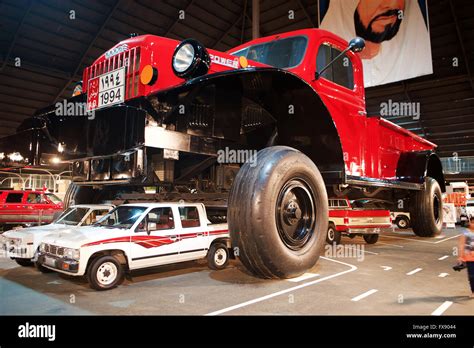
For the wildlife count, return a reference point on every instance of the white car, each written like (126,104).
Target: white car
(22,244)
(470,209)
(134,236)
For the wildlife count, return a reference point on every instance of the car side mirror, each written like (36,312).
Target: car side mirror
(151,226)
(357,44)
(110,221)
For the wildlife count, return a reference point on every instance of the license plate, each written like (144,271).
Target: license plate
(106,90)
(49,261)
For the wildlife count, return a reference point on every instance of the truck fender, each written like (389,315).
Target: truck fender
(416,166)
(265,107)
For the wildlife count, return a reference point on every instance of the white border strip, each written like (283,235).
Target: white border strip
(414,271)
(294,288)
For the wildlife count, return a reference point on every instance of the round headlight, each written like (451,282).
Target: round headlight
(190,59)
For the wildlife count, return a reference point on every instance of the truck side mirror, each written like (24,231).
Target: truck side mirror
(151,226)
(110,221)
(357,44)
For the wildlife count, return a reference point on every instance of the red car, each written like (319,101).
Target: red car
(28,207)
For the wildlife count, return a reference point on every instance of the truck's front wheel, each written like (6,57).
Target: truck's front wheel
(105,273)
(426,216)
(278,213)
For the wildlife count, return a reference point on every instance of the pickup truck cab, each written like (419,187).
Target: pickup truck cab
(22,244)
(134,236)
(349,221)
(28,207)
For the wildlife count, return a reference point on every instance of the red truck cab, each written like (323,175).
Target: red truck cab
(25,207)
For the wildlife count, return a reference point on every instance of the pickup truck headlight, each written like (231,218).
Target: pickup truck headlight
(42,247)
(73,254)
(190,59)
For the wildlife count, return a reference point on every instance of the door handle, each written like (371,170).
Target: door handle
(199,234)
(173,238)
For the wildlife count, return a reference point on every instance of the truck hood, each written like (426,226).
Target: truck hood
(77,237)
(30,234)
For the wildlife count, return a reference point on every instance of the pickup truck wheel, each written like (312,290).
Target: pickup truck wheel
(278,213)
(371,238)
(105,273)
(427,210)
(218,256)
(24,262)
(402,222)
(42,269)
(334,236)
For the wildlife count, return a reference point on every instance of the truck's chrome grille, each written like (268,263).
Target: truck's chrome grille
(54,250)
(130,59)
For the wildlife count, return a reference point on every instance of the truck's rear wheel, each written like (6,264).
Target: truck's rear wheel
(218,256)
(334,236)
(105,273)
(426,213)
(278,213)
(371,238)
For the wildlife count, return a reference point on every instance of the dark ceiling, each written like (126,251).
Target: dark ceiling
(54,49)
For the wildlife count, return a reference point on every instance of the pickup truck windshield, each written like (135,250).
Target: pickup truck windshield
(121,217)
(55,199)
(284,53)
(72,216)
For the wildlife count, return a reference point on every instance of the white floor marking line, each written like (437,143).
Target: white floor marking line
(414,271)
(441,309)
(303,277)
(294,288)
(395,245)
(386,268)
(423,241)
(443,275)
(364,295)
(443,257)
(365,251)
(444,240)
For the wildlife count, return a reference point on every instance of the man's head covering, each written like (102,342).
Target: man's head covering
(405,56)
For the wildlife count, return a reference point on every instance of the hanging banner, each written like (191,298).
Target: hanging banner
(396,33)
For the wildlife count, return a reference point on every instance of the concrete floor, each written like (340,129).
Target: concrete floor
(400,275)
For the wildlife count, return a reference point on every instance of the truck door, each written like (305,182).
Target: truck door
(155,240)
(194,235)
(13,209)
(34,208)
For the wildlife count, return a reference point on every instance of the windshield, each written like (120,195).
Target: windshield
(121,217)
(72,216)
(284,53)
(53,198)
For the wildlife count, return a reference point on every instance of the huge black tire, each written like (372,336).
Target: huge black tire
(278,213)
(426,210)
(402,222)
(105,273)
(333,236)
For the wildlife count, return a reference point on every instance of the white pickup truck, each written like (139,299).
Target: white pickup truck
(134,236)
(22,244)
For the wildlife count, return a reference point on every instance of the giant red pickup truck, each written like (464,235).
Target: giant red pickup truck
(159,112)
